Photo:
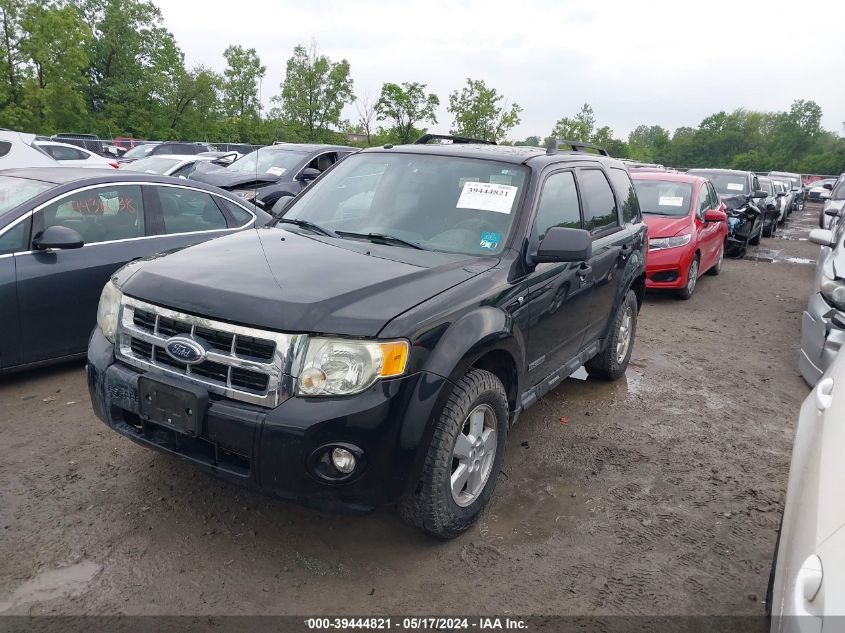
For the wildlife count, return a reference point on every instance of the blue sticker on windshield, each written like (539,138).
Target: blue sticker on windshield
(490,240)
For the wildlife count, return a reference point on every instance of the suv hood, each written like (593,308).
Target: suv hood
(734,202)
(279,280)
(226,179)
(665,226)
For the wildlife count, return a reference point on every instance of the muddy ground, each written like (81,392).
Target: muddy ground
(658,494)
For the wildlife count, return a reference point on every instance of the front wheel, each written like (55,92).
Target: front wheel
(612,361)
(464,459)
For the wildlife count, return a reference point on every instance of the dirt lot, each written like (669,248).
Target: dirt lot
(658,494)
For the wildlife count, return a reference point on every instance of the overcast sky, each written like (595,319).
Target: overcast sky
(637,61)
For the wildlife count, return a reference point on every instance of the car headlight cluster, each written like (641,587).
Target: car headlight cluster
(662,243)
(342,367)
(834,292)
(108,310)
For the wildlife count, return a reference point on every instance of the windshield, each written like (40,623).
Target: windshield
(153,164)
(139,151)
(726,184)
(459,205)
(15,191)
(269,161)
(662,197)
(766,185)
(785,183)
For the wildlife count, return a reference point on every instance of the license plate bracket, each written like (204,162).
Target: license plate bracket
(172,403)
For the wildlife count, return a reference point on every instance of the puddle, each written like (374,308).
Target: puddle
(633,380)
(534,516)
(52,584)
(773,256)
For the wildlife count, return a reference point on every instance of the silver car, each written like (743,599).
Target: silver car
(834,205)
(808,575)
(823,322)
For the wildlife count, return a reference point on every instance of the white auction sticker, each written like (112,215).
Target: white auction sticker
(487,196)
(277,171)
(671,201)
(736,186)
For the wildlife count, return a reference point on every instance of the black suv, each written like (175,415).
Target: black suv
(376,344)
(273,172)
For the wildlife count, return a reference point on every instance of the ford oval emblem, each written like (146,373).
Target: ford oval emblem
(185,350)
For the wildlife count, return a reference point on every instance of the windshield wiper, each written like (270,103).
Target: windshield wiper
(305,224)
(381,237)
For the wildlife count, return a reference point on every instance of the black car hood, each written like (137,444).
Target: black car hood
(735,202)
(279,280)
(226,179)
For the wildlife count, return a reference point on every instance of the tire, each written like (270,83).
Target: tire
(433,506)
(716,268)
(692,279)
(755,241)
(609,364)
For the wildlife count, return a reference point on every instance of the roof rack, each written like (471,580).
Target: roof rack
(573,146)
(425,138)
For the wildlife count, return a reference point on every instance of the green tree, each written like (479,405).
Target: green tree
(240,87)
(314,91)
(650,144)
(481,112)
(532,141)
(578,128)
(406,105)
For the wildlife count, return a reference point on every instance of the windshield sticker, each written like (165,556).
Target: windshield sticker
(500,180)
(487,197)
(736,186)
(671,201)
(490,240)
(277,171)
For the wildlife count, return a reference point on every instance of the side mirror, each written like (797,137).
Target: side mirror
(828,186)
(565,245)
(832,212)
(781,194)
(714,215)
(281,205)
(58,237)
(309,173)
(759,194)
(822,237)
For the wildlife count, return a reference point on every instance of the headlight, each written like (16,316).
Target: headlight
(662,243)
(342,367)
(246,194)
(108,311)
(834,292)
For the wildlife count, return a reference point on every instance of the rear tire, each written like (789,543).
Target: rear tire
(612,361)
(717,267)
(692,279)
(459,474)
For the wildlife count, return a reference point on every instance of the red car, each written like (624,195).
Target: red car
(687,229)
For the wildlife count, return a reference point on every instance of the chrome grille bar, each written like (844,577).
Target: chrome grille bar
(280,369)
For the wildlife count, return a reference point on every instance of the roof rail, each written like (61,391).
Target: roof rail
(425,138)
(573,146)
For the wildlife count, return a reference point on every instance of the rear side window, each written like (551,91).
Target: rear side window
(558,204)
(102,214)
(188,210)
(625,191)
(600,213)
(241,215)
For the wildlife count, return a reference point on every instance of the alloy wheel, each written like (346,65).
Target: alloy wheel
(473,455)
(623,341)
(692,276)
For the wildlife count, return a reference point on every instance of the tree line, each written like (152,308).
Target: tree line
(110,67)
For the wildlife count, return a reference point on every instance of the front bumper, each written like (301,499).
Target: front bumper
(667,269)
(272,449)
(820,338)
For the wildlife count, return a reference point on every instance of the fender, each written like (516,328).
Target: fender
(634,268)
(474,334)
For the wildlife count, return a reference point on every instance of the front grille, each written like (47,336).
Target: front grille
(240,363)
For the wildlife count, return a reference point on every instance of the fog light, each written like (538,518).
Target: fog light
(343,460)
